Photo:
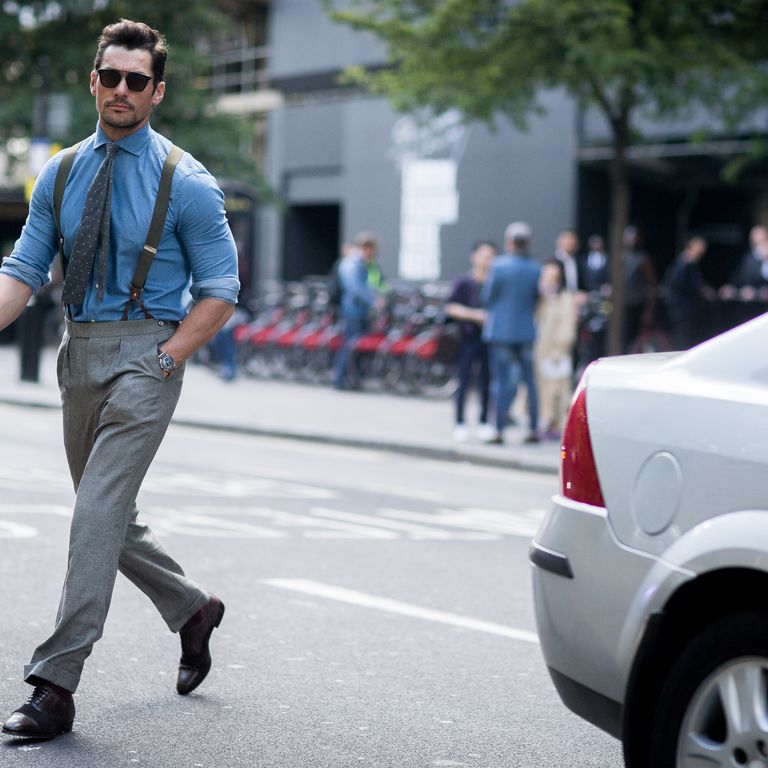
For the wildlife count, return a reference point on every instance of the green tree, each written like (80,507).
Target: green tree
(624,57)
(50,46)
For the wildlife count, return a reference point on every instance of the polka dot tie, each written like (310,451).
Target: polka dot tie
(94,230)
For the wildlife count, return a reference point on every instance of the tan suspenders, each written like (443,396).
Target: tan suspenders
(154,234)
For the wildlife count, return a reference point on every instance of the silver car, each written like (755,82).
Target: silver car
(651,569)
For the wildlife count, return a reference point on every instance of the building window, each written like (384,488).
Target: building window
(239,56)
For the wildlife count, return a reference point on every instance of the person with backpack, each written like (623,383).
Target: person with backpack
(121,360)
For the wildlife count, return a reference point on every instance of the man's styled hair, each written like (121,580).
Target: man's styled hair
(135,35)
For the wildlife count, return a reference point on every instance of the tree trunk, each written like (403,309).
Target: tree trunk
(618,223)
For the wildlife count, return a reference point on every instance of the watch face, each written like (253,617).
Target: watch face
(166,362)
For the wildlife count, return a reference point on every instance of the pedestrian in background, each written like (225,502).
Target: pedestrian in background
(224,346)
(689,298)
(566,252)
(556,317)
(640,284)
(594,310)
(510,294)
(750,279)
(121,360)
(465,306)
(358,299)
(595,273)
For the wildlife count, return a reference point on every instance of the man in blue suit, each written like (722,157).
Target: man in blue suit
(510,294)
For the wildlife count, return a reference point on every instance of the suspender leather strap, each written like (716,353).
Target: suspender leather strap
(155,234)
(62,174)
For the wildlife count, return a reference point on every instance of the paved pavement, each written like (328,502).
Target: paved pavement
(408,425)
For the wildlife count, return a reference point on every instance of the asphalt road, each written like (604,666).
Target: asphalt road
(379,611)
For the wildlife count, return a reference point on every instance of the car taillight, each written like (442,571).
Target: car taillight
(578,472)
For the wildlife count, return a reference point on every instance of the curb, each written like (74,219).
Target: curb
(421,451)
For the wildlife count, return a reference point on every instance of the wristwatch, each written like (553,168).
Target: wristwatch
(167,363)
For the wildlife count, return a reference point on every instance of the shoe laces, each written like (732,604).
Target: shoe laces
(40,694)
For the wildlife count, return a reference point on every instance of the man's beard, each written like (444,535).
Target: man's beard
(124,125)
(123,120)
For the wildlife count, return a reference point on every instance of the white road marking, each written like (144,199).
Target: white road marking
(415,531)
(189,522)
(15,478)
(506,523)
(328,591)
(331,528)
(9,530)
(215,525)
(318,523)
(36,509)
(14,530)
(233,487)
(409,493)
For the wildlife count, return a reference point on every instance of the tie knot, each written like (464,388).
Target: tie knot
(111,150)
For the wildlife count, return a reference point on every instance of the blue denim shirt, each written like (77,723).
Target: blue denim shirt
(197,244)
(357,297)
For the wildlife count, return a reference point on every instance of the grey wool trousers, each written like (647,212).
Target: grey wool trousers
(116,409)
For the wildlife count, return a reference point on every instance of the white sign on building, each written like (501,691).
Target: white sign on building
(428,153)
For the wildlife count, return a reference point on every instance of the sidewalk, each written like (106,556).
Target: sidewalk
(411,425)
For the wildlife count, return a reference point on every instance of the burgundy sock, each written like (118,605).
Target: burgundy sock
(197,618)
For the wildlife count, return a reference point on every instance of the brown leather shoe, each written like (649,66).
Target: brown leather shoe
(195,657)
(46,714)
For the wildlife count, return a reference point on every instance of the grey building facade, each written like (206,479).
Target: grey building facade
(344,161)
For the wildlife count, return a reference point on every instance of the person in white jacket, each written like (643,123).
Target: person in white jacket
(556,318)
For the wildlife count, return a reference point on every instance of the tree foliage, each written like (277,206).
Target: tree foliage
(62,37)
(624,57)
(495,56)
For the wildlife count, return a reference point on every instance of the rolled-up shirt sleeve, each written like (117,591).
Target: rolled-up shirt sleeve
(30,260)
(207,239)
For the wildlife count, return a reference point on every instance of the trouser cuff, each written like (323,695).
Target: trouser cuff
(184,616)
(46,671)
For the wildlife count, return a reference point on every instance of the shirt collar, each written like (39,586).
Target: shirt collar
(134,143)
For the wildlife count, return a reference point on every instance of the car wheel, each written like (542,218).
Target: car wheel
(713,708)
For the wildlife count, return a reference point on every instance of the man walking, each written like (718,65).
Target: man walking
(121,360)
(359,278)
(510,294)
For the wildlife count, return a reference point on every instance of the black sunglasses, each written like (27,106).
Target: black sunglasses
(110,78)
